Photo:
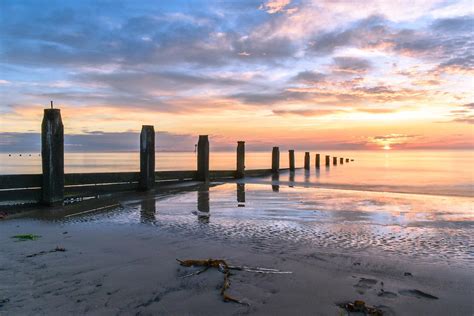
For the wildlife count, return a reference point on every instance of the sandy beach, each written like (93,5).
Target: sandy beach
(122,260)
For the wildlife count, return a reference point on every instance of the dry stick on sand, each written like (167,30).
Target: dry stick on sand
(223,267)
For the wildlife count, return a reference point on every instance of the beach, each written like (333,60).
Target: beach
(405,254)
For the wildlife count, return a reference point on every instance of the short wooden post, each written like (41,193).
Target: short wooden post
(318,161)
(240,159)
(328,161)
(306,161)
(334,161)
(52,155)
(203,158)
(291,153)
(347,159)
(341,161)
(275,159)
(147,158)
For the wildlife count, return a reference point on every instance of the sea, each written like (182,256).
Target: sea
(449,173)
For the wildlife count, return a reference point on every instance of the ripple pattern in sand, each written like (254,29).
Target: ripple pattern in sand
(435,228)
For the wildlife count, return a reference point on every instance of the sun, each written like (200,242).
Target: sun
(387,147)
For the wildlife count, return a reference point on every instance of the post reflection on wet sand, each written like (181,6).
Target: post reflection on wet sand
(291,179)
(306,176)
(148,210)
(275,178)
(203,212)
(241,194)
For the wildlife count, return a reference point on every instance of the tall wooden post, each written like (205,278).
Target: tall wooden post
(52,155)
(341,161)
(318,161)
(203,158)
(306,160)
(275,159)
(240,159)
(334,161)
(328,161)
(291,153)
(147,158)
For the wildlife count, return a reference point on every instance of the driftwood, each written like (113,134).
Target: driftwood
(225,268)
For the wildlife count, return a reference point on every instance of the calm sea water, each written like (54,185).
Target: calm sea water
(433,172)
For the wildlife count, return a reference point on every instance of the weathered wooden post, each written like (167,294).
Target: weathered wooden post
(203,158)
(341,161)
(275,159)
(327,161)
(291,153)
(147,158)
(318,161)
(240,159)
(334,161)
(306,160)
(347,159)
(52,155)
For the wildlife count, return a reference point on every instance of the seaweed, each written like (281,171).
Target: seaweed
(25,237)
(360,307)
(225,268)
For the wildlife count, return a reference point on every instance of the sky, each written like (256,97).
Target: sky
(326,74)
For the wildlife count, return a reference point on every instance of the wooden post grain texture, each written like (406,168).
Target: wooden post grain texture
(52,158)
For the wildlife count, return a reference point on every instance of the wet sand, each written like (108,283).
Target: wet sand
(122,260)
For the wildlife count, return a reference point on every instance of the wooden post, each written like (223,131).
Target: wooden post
(347,159)
(275,159)
(334,161)
(341,161)
(147,158)
(291,153)
(203,158)
(240,159)
(328,159)
(306,160)
(318,161)
(52,155)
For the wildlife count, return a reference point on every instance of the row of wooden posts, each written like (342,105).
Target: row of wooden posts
(52,150)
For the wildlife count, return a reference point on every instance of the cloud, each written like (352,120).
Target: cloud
(463,114)
(351,65)
(455,24)
(276,6)
(306,112)
(309,77)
